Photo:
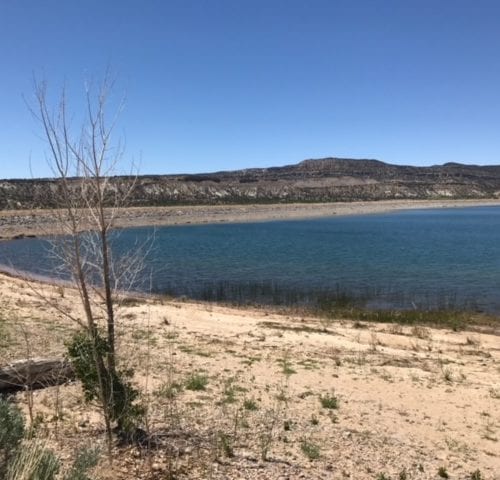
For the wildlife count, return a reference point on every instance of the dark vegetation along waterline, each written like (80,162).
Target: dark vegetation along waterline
(440,310)
(413,266)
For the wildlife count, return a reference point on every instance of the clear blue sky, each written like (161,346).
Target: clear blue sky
(226,84)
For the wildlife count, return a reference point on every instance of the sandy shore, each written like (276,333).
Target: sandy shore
(410,400)
(43,222)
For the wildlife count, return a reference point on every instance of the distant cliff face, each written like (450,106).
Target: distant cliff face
(324,180)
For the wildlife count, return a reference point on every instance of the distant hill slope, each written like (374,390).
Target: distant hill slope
(323,180)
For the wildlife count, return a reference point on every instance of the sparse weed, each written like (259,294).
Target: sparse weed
(11,432)
(333,418)
(447,374)
(250,404)
(385,375)
(357,324)
(85,459)
(489,430)
(495,392)
(169,390)
(443,473)
(33,461)
(270,420)
(5,338)
(24,458)
(421,332)
(314,420)
(286,365)
(282,395)
(383,476)
(229,392)
(225,444)
(329,401)
(374,342)
(196,382)
(396,329)
(310,449)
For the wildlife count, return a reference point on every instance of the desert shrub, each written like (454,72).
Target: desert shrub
(250,404)
(443,473)
(197,382)
(169,390)
(230,391)
(11,432)
(383,476)
(119,394)
(4,334)
(329,401)
(29,459)
(310,449)
(33,462)
(225,444)
(85,459)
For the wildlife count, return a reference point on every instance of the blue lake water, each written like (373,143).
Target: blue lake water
(425,258)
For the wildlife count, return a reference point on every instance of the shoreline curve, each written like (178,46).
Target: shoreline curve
(25,223)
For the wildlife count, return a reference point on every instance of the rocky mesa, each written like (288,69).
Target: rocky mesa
(319,180)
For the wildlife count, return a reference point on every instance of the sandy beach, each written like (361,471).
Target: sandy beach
(409,400)
(43,222)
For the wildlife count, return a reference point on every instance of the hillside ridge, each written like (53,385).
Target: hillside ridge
(312,180)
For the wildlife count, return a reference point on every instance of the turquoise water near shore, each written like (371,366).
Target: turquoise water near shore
(419,258)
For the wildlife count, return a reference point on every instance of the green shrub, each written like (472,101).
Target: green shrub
(329,401)
(383,476)
(80,351)
(11,426)
(250,404)
(229,392)
(86,459)
(118,391)
(33,462)
(22,460)
(4,334)
(225,444)
(169,390)
(29,459)
(310,449)
(443,473)
(11,432)
(196,382)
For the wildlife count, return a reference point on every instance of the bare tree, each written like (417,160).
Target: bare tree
(84,161)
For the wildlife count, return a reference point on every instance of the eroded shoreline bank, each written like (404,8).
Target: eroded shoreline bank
(21,223)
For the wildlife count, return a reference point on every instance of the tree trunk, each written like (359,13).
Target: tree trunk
(34,374)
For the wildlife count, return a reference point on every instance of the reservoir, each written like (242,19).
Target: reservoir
(436,258)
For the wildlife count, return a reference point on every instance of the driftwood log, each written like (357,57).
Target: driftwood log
(34,373)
